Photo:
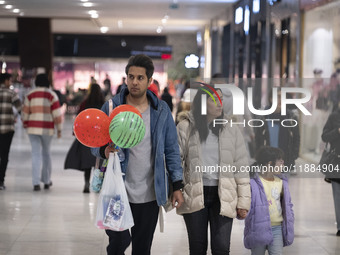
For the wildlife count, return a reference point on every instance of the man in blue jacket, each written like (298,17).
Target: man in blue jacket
(147,165)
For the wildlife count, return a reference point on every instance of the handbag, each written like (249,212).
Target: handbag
(113,209)
(329,162)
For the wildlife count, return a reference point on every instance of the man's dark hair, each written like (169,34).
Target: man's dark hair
(42,80)
(268,154)
(141,60)
(4,77)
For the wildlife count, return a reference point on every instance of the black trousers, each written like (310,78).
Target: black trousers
(220,226)
(5,145)
(145,217)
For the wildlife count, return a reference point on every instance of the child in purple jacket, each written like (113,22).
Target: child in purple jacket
(270,222)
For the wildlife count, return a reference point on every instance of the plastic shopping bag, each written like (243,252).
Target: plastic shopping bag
(113,210)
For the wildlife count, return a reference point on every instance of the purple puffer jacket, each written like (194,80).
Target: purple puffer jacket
(257,229)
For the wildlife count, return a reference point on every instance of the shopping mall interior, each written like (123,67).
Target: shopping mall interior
(253,44)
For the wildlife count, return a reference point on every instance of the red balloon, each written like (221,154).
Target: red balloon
(124,108)
(91,127)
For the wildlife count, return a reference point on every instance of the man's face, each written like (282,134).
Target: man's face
(8,82)
(137,81)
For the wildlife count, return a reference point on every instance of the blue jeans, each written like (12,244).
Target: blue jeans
(41,145)
(220,226)
(275,248)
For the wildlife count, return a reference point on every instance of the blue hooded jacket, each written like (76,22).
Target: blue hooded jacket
(257,229)
(165,149)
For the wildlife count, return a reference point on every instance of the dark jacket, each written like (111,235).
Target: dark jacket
(289,137)
(331,134)
(167,98)
(165,148)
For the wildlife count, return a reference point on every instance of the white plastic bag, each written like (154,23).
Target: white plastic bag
(113,210)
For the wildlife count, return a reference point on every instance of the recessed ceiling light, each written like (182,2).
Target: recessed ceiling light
(2,2)
(92,12)
(9,6)
(88,4)
(120,24)
(104,29)
(94,16)
(159,30)
(16,10)
(84,0)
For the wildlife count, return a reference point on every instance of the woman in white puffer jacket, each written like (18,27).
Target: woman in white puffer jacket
(215,190)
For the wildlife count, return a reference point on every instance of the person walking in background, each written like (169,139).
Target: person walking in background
(154,87)
(270,221)
(79,156)
(273,134)
(167,98)
(121,86)
(147,165)
(7,120)
(184,105)
(211,197)
(107,87)
(41,114)
(331,135)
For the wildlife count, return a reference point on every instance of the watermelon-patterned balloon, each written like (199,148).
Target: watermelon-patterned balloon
(127,129)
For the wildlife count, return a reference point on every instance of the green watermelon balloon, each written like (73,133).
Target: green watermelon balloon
(127,129)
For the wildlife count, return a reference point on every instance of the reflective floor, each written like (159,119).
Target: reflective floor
(60,221)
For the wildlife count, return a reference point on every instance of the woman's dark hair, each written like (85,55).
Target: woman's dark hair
(141,60)
(95,98)
(42,80)
(268,154)
(201,122)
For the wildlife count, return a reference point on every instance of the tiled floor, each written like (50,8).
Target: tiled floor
(60,221)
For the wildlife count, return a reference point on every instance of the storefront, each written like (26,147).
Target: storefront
(320,62)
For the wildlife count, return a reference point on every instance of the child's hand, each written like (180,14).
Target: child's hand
(242,213)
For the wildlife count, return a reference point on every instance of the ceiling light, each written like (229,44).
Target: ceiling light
(9,6)
(92,12)
(22,14)
(120,24)
(2,2)
(88,4)
(94,15)
(164,20)
(84,0)
(104,29)
(159,29)
(16,10)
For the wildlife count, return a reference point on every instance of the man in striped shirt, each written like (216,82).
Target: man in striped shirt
(8,99)
(41,115)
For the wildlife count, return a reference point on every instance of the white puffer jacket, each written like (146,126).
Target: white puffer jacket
(233,188)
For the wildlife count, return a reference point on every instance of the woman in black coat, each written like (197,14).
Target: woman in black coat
(79,156)
(331,135)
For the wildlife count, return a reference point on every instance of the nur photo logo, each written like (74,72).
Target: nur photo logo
(204,97)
